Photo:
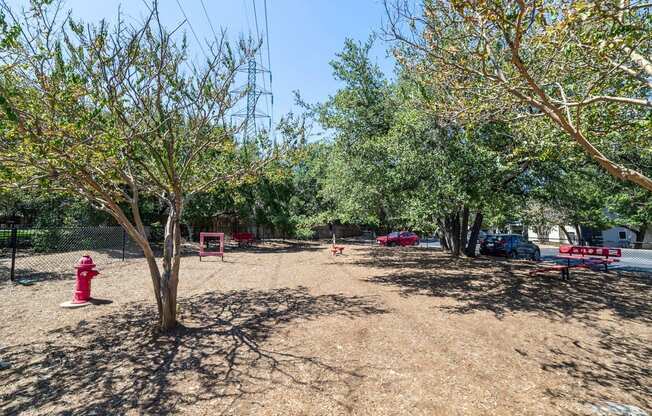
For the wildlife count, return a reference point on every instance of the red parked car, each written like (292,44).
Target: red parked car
(404,238)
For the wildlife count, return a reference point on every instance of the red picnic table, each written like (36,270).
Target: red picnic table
(590,255)
(337,249)
(244,239)
(586,255)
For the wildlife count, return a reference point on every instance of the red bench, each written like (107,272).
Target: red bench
(589,255)
(564,270)
(244,239)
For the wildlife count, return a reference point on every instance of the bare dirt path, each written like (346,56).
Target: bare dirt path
(289,330)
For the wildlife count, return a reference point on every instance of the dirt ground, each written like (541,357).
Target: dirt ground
(282,329)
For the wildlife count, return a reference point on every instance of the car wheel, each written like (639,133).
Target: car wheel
(536,256)
(391,244)
(513,254)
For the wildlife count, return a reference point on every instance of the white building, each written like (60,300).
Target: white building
(556,235)
(614,236)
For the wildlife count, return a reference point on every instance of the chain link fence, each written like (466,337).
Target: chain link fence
(52,253)
(593,241)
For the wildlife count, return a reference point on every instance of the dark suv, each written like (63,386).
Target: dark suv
(510,245)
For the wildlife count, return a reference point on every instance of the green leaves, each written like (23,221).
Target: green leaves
(9,32)
(114,112)
(8,112)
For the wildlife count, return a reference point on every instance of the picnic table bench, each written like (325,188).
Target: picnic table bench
(586,255)
(564,269)
(244,239)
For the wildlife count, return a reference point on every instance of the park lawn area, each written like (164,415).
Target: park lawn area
(5,234)
(284,329)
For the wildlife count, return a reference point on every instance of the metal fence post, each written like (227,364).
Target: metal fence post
(124,243)
(13,243)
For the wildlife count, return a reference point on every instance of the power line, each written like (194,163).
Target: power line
(244,2)
(203,6)
(260,53)
(192,29)
(269,68)
(256,19)
(269,61)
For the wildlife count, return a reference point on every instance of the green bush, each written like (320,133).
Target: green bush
(304,233)
(48,240)
(156,232)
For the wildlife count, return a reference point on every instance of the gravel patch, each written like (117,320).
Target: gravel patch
(288,329)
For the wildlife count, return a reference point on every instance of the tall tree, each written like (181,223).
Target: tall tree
(359,115)
(398,162)
(116,114)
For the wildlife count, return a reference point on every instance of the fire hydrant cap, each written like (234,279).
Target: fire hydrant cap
(86,262)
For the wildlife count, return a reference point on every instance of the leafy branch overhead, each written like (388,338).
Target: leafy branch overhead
(519,60)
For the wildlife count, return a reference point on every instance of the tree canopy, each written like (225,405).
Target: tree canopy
(118,113)
(567,62)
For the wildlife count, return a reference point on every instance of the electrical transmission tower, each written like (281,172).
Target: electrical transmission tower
(252,116)
(254,119)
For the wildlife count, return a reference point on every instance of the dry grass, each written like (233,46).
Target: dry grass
(288,330)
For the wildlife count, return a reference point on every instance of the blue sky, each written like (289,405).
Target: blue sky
(304,35)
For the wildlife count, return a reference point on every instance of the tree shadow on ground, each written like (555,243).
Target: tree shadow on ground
(116,363)
(31,275)
(502,287)
(615,359)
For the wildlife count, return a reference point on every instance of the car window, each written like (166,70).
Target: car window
(392,235)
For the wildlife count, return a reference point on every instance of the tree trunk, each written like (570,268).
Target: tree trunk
(464,228)
(442,241)
(578,233)
(563,230)
(454,229)
(475,232)
(138,234)
(453,224)
(190,230)
(452,241)
(441,234)
(171,264)
(640,236)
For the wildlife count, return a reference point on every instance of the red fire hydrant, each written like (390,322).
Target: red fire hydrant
(85,272)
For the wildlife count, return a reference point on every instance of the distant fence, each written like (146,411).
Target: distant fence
(593,241)
(47,253)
